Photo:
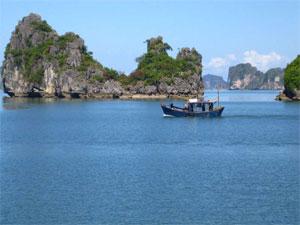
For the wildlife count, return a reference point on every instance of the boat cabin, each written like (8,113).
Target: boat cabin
(197,105)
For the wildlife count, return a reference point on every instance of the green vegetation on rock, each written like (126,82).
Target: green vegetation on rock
(292,75)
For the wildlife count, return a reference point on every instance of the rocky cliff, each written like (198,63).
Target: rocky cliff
(38,62)
(246,76)
(214,82)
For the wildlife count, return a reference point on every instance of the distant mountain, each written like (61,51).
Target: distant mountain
(246,76)
(214,81)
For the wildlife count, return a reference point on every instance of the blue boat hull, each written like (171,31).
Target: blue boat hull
(178,112)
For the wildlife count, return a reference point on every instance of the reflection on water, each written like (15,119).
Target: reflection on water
(225,96)
(23,103)
(8,103)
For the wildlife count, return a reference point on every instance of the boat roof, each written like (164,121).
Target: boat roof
(196,100)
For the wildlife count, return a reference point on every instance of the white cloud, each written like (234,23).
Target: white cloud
(219,65)
(261,61)
(219,62)
(231,57)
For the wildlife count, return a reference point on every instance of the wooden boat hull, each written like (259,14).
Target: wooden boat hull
(178,112)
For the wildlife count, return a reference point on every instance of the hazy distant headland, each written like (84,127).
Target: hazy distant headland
(212,82)
(246,76)
(41,63)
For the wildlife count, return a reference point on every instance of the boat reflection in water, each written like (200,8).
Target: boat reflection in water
(194,107)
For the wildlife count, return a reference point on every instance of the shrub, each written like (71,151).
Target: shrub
(66,38)
(97,78)
(124,80)
(110,73)
(41,26)
(61,57)
(6,52)
(36,76)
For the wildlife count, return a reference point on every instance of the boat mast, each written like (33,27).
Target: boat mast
(218,87)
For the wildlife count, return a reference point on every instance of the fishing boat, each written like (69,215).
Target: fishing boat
(195,107)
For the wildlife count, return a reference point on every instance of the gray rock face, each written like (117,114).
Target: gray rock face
(245,76)
(192,86)
(151,90)
(112,87)
(27,32)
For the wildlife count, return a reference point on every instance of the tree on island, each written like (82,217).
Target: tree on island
(156,64)
(292,78)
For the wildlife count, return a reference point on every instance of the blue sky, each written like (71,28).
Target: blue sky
(264,33)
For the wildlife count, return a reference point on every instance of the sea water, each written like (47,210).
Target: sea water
(122,162)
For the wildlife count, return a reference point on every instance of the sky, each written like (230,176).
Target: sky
(225,32)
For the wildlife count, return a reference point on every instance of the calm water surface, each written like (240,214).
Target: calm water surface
(120,162)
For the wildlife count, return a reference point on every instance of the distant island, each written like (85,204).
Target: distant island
(244,76)
(212,82)
(40,63)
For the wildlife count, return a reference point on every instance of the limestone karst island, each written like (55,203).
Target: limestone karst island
(38,62)
(41,63)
